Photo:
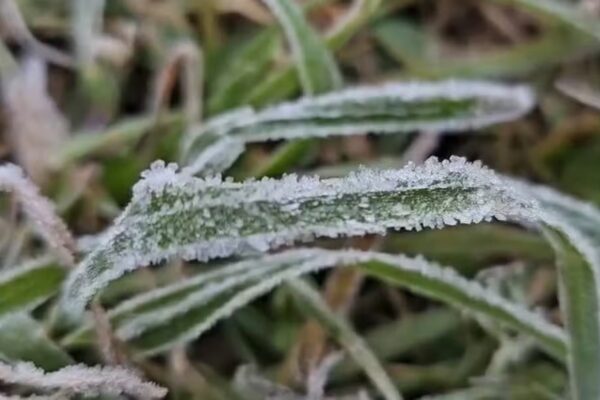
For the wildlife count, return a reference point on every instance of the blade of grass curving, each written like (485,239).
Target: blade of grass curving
(284,82)
(448,106)
(24,287)
(174,214)
(312,303)
(158,320)
(576,245)
(23,339)
(316,67)
(580,305)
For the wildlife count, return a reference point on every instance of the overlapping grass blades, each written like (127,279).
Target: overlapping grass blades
(174,214)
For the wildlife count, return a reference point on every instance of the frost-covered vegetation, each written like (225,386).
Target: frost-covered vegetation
(281,199)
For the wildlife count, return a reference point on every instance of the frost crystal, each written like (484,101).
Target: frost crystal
(175,214)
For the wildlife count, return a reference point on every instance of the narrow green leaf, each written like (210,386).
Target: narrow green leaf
(580,305)
(24,287)
(114,137)
(316,67)
(247,66)
(579,269)
(313,304)
(449,106)
(175,214)
(23,339)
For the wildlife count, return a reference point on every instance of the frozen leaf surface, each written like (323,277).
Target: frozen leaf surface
(174,214)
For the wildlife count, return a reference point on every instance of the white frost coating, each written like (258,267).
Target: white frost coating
(39,210)
(292,266)
(494,103)
(139,236)
(81,379)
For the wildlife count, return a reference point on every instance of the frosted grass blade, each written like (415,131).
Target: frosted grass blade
(447,106)
(158,320)
(174,214)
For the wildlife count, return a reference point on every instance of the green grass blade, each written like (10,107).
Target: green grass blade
(312,303)
(579,269)
(23,339)
(580,305)
(316,67)
(562,11)
(174,214)
(24,287)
